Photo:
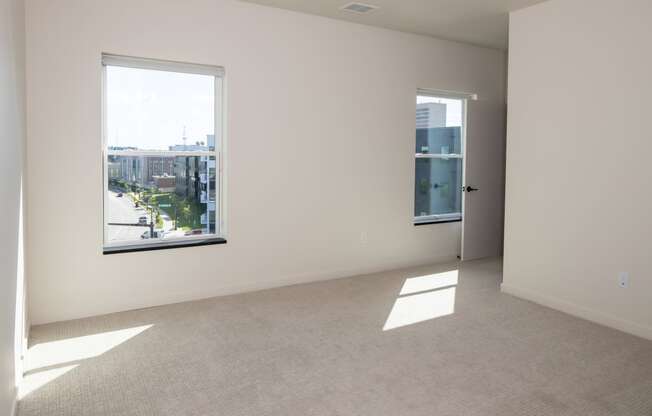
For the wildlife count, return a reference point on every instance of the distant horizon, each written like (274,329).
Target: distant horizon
(189,143)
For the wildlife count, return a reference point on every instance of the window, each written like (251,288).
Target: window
(438,158)
(162,154)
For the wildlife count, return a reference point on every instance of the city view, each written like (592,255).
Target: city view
(439,160)
(161,196)
(160,162)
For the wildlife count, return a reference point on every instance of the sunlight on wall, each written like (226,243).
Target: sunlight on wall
(41,358)
(423,298)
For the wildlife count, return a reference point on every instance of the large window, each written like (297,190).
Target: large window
(438,159)
(162,154)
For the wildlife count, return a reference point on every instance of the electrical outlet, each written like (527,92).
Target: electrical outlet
(363,237)
(623,280)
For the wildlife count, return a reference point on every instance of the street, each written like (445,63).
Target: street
(122,210)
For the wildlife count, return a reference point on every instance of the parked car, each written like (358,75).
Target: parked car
(119,195)
(194,232)
(142,220)
(157,234)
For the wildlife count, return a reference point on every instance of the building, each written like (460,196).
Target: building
(438,181)
(142,169)
(157,166)
(431,115)
(186,173)
(131,169)
(165,183)
(114,169)
(447,140)
(195,179)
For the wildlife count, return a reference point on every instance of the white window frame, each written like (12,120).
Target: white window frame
(464,97)
(218,153)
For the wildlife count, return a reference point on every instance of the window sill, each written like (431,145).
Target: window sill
(162,246)
(436,222)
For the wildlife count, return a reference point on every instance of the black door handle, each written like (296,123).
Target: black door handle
(469,189)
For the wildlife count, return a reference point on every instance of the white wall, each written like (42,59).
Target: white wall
(578,197)
(321,118)
(11,172)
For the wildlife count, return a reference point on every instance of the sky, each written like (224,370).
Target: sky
(453,108)
(149,109)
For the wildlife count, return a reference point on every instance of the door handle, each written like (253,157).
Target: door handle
(469,189)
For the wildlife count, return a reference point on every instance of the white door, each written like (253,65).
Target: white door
(484,180)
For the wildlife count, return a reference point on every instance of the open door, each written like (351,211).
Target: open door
(484,180)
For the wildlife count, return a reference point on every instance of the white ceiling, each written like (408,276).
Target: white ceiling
(481,22)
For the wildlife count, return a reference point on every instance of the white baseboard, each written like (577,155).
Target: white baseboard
(592,315)
(14,405)
(252,286)
(298,279)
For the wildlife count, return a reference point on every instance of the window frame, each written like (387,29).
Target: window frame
(219,237)
(464,98)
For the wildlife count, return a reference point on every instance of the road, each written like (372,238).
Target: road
(122,209)
(168,224)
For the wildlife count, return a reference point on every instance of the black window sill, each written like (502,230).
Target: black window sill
(163,246)
(436,222)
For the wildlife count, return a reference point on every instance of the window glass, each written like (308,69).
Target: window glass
(438,159)
(161,156)
(437,188)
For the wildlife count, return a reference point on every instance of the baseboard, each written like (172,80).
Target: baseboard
(199,294)
(325,276)
(298,279)
(592,315)
(14,405)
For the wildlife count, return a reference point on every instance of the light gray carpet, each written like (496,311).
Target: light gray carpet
(320,349)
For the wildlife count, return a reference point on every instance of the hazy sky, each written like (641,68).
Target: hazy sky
(453,108)
(149,109)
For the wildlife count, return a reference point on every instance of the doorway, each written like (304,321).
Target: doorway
(459,168)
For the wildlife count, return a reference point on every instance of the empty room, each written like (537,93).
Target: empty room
(325,207)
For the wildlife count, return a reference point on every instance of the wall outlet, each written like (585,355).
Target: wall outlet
(623,279)
(363,237)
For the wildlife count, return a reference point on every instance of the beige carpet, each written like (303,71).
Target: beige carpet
(345,347)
